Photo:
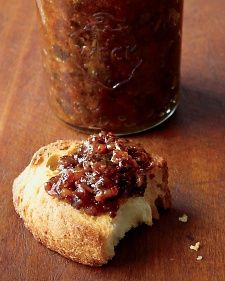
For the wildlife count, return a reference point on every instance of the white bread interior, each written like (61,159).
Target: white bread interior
(71,232)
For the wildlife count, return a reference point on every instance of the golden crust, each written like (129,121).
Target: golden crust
(61,227)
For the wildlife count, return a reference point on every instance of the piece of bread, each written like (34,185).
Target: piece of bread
(71,232)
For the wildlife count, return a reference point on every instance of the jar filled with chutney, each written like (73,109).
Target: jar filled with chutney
(110,64)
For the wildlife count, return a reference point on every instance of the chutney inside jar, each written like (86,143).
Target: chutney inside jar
(112,65)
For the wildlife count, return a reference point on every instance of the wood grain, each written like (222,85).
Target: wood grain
(193,142)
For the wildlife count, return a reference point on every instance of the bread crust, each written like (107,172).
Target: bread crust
(58,225)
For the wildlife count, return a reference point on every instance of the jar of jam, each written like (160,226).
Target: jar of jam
(110,64)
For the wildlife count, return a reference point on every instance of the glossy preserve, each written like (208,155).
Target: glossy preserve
(112,65)
(103,173)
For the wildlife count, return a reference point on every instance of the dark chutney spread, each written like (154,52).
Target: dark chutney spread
(112,64)
(103,173)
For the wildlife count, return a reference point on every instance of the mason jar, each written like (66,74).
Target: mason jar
(112,65)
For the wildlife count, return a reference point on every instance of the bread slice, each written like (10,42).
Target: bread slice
(72,233)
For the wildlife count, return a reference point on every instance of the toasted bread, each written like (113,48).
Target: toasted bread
(72,233)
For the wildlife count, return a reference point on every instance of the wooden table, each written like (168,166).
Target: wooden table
(193,142)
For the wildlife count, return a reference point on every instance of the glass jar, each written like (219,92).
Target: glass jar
(110,64)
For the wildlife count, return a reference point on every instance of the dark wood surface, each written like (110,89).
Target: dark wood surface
(193,142)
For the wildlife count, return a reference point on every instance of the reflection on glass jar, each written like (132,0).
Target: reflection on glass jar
(112,64)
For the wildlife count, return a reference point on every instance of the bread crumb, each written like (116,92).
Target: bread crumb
(199,258)
(184,218)
(195,247)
